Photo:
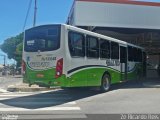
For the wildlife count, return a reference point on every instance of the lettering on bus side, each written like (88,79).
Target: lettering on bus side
(112,62)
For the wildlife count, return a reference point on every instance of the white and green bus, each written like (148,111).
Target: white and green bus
(67,56)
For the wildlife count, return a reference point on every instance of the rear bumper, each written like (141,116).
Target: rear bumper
(46,82)
(42,84)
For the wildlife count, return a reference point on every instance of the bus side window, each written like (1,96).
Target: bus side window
(123,54)
(139,52)
(130,53)
(114,50)
(135,53)
(92,47)
(104,49)
(76,44)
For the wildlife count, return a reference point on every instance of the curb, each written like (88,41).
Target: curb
(26,88)
(151,85)
(29,89)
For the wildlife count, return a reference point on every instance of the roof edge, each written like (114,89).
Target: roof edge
(132,2)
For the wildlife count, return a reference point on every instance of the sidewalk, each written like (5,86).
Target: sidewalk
(15,84)
(6,81)
(11,76)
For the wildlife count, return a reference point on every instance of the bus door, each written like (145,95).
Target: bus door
(123,62)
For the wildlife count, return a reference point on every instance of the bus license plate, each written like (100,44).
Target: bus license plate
(40,75)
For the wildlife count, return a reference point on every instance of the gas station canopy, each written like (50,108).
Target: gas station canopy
(136,22)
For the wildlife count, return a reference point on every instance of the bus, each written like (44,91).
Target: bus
(67,56)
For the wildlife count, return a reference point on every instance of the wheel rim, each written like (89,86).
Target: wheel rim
(106,83)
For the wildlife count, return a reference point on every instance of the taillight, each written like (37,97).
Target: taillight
(23,67)
(59,68)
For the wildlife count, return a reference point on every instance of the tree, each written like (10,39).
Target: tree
(18,53)
(13,48)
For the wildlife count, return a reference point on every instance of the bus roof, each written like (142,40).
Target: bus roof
(92,33)
(102,36)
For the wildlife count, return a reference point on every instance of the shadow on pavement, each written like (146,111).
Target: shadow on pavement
(48,99)
(60,97)
(128,85)
(145,83)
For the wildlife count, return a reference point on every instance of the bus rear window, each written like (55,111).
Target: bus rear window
(43,38)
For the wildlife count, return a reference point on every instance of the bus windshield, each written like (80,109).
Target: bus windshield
(43,38)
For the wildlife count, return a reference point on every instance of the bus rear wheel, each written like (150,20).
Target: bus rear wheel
(105,83)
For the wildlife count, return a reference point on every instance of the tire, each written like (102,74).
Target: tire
(105,83)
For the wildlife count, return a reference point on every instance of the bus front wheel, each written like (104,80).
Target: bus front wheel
(105,83)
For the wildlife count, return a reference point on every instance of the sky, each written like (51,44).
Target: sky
(13,13)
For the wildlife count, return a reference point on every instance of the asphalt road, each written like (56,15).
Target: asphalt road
(82,104)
